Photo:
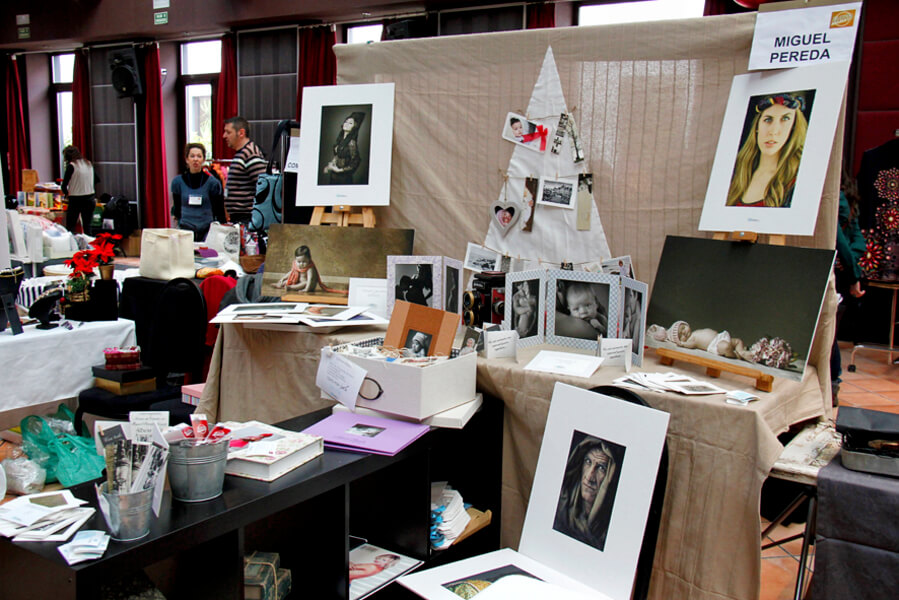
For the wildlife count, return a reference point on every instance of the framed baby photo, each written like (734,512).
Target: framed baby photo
(634,302)
(580,307)
(557,192)
(479,259)
(346,146)
(522,132)
(452,285)
(525,306)
(762,180)
(415,279)
(426,331)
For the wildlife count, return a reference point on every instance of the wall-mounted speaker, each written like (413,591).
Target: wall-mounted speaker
(125,75)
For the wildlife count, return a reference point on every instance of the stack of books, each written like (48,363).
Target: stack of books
(124,381)
(265,452)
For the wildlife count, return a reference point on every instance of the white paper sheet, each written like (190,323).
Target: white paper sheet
(564,363)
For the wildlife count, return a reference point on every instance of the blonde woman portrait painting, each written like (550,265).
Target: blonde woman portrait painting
(771,150)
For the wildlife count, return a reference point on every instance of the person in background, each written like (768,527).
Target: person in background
(247,165)
(197,197)
(78,188)
(848,273)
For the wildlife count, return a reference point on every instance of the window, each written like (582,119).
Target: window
(363,34)
(647,10)
(201,63)
(62,67)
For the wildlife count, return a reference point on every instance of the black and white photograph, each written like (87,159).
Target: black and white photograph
(525,306)
(633,315)
(479,258)
(363,430)
(414,283)
(581,307)
(419,342)
(587,494)
(530,134)
(471,341)
(451,290)
(557,192)
(347,145)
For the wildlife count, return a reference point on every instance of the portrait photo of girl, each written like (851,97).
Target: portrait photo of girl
(774,135)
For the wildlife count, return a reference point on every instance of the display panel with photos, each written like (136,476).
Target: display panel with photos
(752,305)
(525,306)
(317,262)
(346,146)
(432,281)
(634,301)
(580,307)
(762,180)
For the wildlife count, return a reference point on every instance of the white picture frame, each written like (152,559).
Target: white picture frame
(634,302)
(528,324)
(323,178)
(480,259)
(821,89)
(415,279)
(571,317)
(558,192)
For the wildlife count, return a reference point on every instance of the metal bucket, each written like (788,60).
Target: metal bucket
(197,470)
(127,515)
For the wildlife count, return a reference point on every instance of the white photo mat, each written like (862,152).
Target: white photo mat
(529,128)
(319,104)
(558,284)
(397,266)
(531,331)
(633,324)
(828,81)
(641,431)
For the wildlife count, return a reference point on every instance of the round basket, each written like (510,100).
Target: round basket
(251,263)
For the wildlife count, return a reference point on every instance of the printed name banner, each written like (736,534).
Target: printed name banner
(804,36)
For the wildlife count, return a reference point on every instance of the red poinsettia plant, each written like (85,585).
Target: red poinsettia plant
(99,252)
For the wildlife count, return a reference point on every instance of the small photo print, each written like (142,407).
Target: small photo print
(557,192)
(531,187)
(415,283)
(632,320)
(479,259)
(419,342)
(363,430)
(525,307)
(582,309)
(518,130)
(470,341)
(474,584)
(589,486)
(451,281)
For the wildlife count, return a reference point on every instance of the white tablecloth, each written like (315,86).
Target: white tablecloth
(40,366)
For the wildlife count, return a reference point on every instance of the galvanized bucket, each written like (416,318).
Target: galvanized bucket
(127,514)
(197,470)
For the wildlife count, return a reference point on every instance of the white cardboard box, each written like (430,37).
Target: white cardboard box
(419,392)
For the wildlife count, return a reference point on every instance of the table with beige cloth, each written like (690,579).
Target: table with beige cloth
(719,454)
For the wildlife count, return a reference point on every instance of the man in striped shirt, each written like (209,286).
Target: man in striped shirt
(248,164)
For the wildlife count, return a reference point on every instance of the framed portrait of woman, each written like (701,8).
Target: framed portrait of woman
(346,145)
(762,179)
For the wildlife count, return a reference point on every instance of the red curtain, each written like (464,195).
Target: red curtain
(17,157)
(81,105)
(156,181)
(318,64)
(541,16)
(225,105)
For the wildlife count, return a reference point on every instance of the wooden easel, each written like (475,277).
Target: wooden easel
(343,216)
(763,381)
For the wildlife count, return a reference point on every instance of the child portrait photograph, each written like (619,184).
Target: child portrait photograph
(581,307)
(519,130)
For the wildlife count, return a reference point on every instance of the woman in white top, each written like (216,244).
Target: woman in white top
(78,187)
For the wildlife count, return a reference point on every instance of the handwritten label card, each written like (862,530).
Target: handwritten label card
(616,352)
(339,377)
(501,344)
(144,423)
(371,293)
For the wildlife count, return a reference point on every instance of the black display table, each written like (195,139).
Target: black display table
(307,516)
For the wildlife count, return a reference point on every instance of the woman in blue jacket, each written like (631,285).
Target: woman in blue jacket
(197,197)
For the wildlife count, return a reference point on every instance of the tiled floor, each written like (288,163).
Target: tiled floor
(874,385)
